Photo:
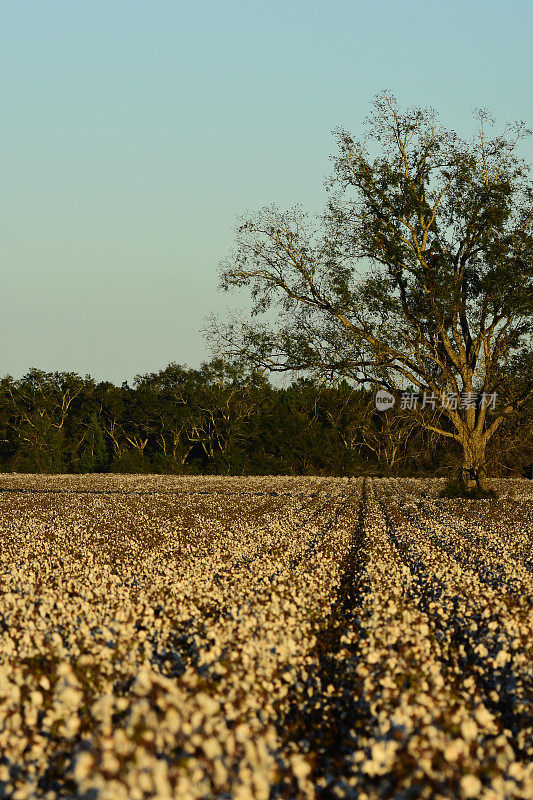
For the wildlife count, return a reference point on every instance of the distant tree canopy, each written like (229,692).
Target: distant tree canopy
(224,419)
(420,272)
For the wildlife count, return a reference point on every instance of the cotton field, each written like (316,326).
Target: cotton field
(257,638)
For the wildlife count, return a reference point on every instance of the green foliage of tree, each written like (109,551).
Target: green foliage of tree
(38,408)
(420,273)
(93,455)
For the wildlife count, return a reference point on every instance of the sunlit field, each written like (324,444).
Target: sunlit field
(257,638)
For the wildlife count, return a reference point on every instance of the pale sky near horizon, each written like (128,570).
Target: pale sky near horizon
(134,133)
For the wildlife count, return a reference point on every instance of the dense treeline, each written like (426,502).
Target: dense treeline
(222,419)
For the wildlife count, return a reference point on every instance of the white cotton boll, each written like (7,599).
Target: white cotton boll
(261,786)
(71,697)
(64,670)
(244,792)
(470,786)
(469,730)
(172,720)
(56,639)
(220,773)
(502,658)
(382,757)
(103,707)
(484,718)
(517,770)
(10,691)
(425,700)
(208,704)
(242,732)
(70,726)
(453,750)
(161,782)
(270,737)
(300,766)
(83,766)
(110,762)
(143,682)
(301,770)
(36,699)
(211,748)
(145,782)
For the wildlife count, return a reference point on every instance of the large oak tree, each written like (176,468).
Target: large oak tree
(420,273)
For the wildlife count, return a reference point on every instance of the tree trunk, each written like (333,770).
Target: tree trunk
(473,468)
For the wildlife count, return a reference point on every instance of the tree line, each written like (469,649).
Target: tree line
(227,419)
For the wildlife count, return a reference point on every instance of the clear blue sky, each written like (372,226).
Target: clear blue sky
(133,133)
